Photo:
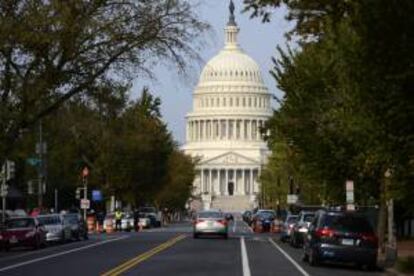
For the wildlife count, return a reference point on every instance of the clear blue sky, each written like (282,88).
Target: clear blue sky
(257,39)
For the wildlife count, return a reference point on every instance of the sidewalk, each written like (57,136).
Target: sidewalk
(405,249)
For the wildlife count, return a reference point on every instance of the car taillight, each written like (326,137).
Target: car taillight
(200,220)
(222,221)
(324,232)
(370,237)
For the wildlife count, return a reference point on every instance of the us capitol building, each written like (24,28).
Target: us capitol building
(230,105)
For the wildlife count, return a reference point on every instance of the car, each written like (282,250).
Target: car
(28,232)
(210,223)
(300,228)
(149,210)
(144,221)
(247,216)
(341,237)
(229,217)
(58,230)
(77,226)
(287,227)
(127,222)
(263,221)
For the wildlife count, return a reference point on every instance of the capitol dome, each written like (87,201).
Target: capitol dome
(231,105)
(231,65)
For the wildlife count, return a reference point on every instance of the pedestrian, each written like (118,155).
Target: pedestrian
(118,219)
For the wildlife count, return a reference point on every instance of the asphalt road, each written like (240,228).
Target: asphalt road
(168,251)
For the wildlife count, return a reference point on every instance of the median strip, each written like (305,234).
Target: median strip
(142,257)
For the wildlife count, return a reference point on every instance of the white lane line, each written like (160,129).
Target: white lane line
(234,226)
(245,259)
(59,254)
(304,273)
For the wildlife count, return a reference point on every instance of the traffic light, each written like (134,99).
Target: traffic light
(10,169)
(78,193)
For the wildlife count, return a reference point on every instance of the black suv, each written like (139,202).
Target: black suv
(341,237)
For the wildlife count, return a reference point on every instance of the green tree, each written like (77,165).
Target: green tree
(53,50)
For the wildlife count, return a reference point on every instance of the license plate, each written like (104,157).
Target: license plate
(210,223)
(347,241)
(13,240)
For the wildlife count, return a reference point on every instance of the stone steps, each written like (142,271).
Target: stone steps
(235,203)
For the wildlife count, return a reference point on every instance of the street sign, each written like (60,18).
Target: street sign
(85,172)
(85,204)
(350,207)
(292,198)
(96,195)
(349,188)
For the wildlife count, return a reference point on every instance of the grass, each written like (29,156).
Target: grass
(405,264)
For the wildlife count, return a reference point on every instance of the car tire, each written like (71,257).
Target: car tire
(305,257)
(36,244)
(313,258)
(195,236)
(226,236)
(7,247)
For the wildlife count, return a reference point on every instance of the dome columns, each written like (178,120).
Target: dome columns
(232,129)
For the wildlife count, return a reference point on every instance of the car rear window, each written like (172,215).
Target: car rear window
(49,220)
(291,219)
(348,224)
(210,215)
(20,223)
(308,217)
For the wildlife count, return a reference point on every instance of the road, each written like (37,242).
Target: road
(168,251)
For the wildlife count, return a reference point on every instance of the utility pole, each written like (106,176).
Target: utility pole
(85,173)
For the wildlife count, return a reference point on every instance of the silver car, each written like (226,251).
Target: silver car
(210,223)
(57,229)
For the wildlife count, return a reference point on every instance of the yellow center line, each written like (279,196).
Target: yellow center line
(142,257)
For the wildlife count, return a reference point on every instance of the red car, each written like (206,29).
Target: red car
(23,232)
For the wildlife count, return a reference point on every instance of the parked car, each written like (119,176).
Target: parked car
(23,232)
(287,227)
(144,221)
(300,228)
(58,230)
(210,223)
(154,212)
(127,222)
(77,226)
(263,221)
(229,217)
(247,216)
(341,237)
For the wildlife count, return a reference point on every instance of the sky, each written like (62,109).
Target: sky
(257,39)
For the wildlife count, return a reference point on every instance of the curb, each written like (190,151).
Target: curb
(393,272)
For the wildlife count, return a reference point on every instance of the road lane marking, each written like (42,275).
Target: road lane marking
(234,226)
(60,254)
(245,259)
(118,270)
(304,273)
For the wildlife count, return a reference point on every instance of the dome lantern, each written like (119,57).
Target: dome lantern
(231,30)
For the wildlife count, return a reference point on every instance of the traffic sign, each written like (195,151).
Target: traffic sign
(292,198)
(96,195)
(85,203)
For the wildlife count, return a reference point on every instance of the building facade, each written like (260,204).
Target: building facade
(230,106)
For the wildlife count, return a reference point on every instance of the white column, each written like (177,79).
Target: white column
(210,182)
(219,129)
(219,181)
(243,192)
(202,181)
(204,129)
(226,190)
(251,182)
(242,130)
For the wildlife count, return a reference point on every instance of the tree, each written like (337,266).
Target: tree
(53,50)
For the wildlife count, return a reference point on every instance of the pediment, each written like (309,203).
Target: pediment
(230,158)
